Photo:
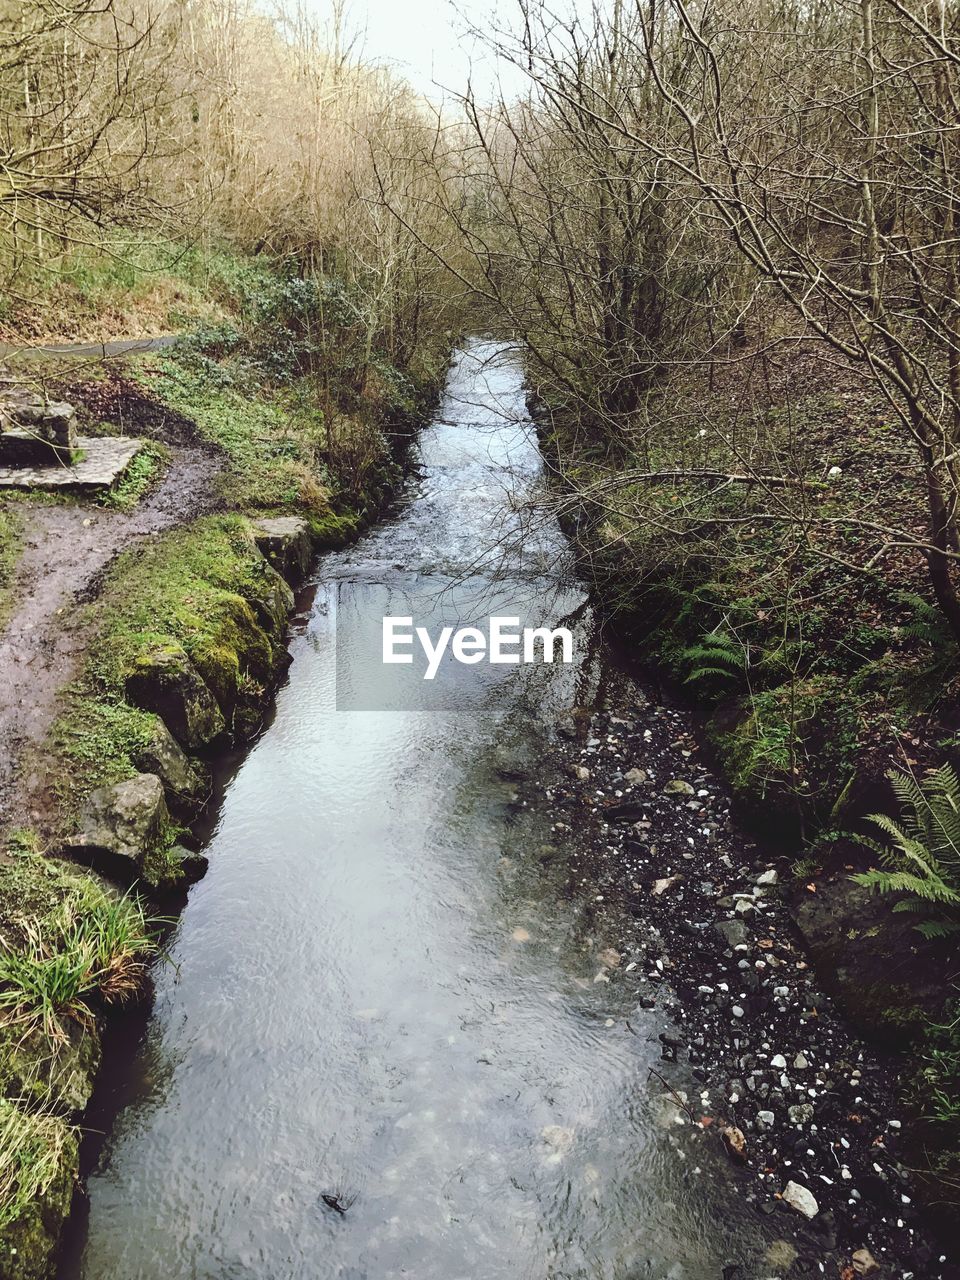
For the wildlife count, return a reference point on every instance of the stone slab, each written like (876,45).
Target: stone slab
(104,460)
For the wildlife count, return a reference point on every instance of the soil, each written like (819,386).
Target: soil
(66,550)
(758,1046)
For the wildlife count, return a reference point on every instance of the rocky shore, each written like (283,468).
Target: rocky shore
(759,1057)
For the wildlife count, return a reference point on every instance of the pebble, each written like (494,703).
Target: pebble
(798,1197)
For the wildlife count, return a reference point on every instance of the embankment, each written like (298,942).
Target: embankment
(173,600)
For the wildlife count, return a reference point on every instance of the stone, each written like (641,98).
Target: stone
(778,1062)
(766,878)
(734,932)
(123,832)
(633,776)
(801,1113)
(735,1144)
(286,543)
(581,773)
(800,1199)
(94,466)
(50,420)
(186,781)
(864,1263)
(766,1119)
(677,787)
(164,680)
(126,818)
(191,866)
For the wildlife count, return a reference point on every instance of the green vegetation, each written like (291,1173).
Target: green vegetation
(93,948)
(922,865)
(128,284)
(10,527)
(33,1145)
(204,588)
(138,478)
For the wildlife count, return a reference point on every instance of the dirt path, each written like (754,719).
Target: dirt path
(66,550)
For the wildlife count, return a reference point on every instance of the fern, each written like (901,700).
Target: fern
(922,688)
(922,860)
(718,656)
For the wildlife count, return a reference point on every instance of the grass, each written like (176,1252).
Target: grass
(272,439)
(11,528)
(33,1146)
(204,588)
(138,478)
(85,945)
(128,286)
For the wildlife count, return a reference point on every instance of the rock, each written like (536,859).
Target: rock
(734,932)
(766,1119)
(745,907)
(661,886)
(193,866)
(286,543)
(634,776)
(52,421)
(778,1062)
(164,680)
(124,830)
(186,781)
(581,772)
(54,1073)
(864,1263)
(801,1113)
(766,878)
(734,1143)
(126,818)
(678,788)
(800,1199)
(800,1063)
(868,954)
(781,1255)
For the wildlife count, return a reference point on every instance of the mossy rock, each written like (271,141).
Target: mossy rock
(29,1244)
(126,833)
(185,781)
(163,680)
(332,531)
(46,1073)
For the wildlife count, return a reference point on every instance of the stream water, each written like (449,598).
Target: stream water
(383,989)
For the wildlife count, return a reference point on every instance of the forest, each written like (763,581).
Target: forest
(723,240)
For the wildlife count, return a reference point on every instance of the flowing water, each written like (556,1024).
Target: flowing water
(383,990)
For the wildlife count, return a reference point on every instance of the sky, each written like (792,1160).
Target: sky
(428,41)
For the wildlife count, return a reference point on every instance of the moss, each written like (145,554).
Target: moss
(204,590)
(10,535)
(331,530)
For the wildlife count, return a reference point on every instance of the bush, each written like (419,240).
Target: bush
(923,862)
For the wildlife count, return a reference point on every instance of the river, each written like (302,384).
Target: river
(383,991)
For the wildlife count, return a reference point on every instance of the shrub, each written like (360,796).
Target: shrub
(923,862)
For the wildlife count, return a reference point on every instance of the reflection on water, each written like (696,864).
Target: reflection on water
(383,991)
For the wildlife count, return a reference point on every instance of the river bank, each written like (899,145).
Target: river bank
(811,681)
(761,1061)
(154,644)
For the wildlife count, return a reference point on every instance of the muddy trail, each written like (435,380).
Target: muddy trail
(66,550)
